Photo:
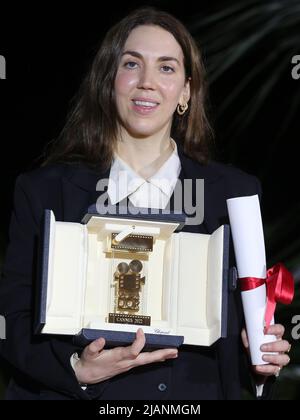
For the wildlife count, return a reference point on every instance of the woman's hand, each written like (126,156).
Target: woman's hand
(97,365)
(276,361)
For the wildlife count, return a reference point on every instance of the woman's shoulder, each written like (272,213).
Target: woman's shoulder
(222,178)
(53,173)
(228,170)
(216,171)
(43,174)
(47,182)
(236,180)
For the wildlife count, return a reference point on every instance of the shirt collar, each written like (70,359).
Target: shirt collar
(167,175)
(123,180)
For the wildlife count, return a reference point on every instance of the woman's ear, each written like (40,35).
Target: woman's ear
(186,93)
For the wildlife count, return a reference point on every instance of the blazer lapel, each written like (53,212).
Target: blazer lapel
(212,190)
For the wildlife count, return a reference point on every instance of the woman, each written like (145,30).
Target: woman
(140,110)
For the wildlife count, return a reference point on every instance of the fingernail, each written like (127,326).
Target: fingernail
(264,347)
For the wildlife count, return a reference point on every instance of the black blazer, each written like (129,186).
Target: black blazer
(41,364)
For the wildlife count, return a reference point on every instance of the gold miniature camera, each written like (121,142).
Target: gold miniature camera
(129,285)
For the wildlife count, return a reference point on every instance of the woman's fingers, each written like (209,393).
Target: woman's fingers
(131,352)
(138,344)
(267,370)
(276,329)
(279,359)
(156,356)
(136,357)
(97,364)
(245,338)
(92,350)
(279,346)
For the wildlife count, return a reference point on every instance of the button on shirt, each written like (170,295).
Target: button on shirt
(154,192)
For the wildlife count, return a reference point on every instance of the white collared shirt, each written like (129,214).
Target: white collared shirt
(154,192)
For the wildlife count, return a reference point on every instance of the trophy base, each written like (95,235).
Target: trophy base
(116,318)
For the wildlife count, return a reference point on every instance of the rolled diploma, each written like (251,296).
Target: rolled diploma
(249,247)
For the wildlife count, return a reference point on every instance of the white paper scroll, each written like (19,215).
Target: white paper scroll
(249,247)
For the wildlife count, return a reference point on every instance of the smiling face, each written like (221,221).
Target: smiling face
(150,82)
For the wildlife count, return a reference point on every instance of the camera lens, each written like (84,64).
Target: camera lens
(135,266)
(123,267)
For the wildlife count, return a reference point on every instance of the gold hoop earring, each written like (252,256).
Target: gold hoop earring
(181,109)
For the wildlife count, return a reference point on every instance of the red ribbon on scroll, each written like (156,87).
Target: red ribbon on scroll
(280,288)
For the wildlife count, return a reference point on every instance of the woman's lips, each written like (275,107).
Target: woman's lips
(144,107)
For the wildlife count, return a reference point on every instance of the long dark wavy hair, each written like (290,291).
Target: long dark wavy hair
(91,130)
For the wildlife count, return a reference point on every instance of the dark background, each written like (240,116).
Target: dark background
(247,47)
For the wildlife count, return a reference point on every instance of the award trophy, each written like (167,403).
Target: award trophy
(115,272)
(130,255)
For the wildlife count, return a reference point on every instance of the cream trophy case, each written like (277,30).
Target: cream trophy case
(114,273)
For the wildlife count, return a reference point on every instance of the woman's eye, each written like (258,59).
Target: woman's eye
(130,64)
(168,69)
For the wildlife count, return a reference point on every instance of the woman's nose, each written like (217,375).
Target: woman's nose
(147,79)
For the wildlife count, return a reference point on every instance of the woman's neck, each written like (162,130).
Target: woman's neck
(145,155)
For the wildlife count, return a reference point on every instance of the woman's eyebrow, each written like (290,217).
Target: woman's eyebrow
(138,55)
